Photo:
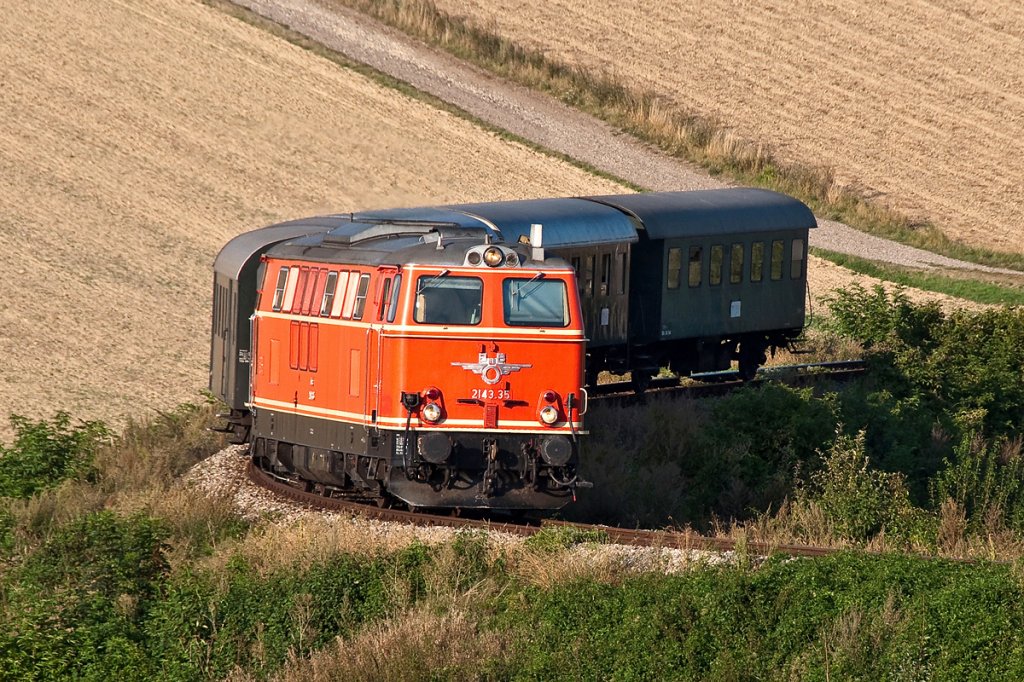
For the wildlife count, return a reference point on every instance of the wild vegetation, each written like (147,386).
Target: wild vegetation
(111,567)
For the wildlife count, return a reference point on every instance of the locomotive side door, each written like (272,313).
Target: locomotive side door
(385,303)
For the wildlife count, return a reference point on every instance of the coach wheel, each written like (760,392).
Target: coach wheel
(750,358)
(641,381)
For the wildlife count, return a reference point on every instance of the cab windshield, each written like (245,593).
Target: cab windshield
(535,302)
(442,299)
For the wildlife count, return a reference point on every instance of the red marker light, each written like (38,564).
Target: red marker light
(432,393)
(550,396)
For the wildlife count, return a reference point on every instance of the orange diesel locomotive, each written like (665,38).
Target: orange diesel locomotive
(423,360)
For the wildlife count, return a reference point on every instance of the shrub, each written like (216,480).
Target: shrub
(986,480)
(861,501)
(846,616)
(75,606)
(44,453)
(210,623)
(558,538)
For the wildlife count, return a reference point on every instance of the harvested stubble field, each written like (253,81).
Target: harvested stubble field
(918,104)
(137,137)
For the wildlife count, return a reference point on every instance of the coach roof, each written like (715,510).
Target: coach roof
(665,215)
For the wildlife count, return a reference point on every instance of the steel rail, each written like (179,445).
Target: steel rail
(668,539)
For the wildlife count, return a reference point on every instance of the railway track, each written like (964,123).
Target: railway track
(700,385)
(670,539)
(719,383)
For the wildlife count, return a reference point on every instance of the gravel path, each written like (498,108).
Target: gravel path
(542,119)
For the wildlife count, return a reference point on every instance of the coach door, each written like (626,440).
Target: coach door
(603,278)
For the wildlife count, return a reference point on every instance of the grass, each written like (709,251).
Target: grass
(969,289)
(689,135)
(139,577)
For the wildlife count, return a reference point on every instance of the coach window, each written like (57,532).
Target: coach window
(442,299)
(675,266)
(757,261)
(328,301)
(623,273)
(715,272)
(282,280)
(535,302)
(777,255)
(736,264)
(696,264)
(364,285)
(606,273)
(575,261)
(797,263)
(588,277)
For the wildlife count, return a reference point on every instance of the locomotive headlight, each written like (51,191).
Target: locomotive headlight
(431,412)
(548,415)
(493,256)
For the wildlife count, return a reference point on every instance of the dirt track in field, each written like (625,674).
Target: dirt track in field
(919,103)
(137,137)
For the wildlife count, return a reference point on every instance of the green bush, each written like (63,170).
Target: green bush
(986,480)
(861,501)
(847,616)
(876,318)
(75,606)
(208,624)
(689,461)
(45,453)
(558,538)
(966,361)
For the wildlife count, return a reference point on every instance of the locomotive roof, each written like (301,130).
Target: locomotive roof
(237,252)
(393,240)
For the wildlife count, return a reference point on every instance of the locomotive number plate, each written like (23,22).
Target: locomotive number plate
(492,394)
